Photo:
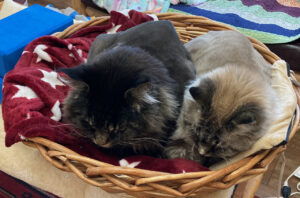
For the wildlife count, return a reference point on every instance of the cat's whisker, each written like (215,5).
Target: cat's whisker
(149,143)
(223,151)
(77,133)
(59,125)
(150,139)
(225,159)
(193,147)
(141,142)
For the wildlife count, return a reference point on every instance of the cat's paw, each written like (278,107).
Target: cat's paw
(173,152)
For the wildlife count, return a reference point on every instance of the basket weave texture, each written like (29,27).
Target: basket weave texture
(145,183)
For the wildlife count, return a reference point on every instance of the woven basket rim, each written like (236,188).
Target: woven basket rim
(139,182)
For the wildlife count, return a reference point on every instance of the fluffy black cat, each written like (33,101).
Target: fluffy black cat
(127,97)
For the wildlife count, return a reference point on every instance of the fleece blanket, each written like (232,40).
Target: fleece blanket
(269,21)
(33,95)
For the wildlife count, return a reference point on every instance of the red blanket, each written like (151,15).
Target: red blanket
(33,95)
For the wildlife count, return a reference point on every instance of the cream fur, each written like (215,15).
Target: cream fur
(285,110)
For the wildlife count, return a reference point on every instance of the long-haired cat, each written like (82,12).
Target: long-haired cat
(231,103)
(126,98)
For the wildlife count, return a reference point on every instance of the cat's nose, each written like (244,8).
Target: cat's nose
(111,128)
(102,140)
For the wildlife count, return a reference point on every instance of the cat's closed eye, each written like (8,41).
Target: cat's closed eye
(247,120)
(204,141)
(111,128)
(90,120)
(136,107)
(123,126)
(247,114)
(215,141)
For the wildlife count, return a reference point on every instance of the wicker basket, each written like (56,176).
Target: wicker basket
(145,183)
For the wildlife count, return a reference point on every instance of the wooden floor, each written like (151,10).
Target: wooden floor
(269,185)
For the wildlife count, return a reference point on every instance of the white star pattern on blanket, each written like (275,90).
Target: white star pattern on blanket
(79,51)
(153,16)
(42,55)
(22,137)
(56,111)
(24,92)
(113,29)
(70,46)
(71,55)
(51,78)
(124,163)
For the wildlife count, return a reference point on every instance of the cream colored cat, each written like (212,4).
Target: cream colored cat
(231,103)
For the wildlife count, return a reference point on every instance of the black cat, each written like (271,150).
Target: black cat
(128,95)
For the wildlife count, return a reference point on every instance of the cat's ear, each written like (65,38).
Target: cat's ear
(203,93)
(76,76)
(141,93)
(76,73)
(196,93)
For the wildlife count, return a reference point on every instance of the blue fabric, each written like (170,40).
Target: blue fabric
(17,30)
(73,14)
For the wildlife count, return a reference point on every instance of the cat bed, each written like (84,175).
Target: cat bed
(33,95)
